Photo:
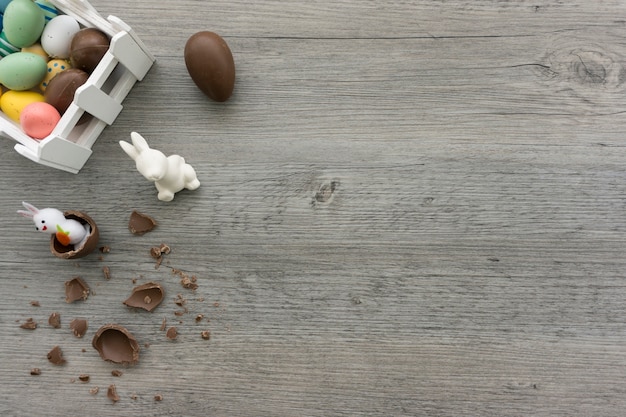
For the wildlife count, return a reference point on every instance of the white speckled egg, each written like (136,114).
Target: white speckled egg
(57,36)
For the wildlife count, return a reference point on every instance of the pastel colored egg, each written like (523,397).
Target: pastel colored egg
(23,22)
(36,49)
(39,119)
(13,102)
(58,34)
(22,70)
(6,47)
(55,66)
(3,5)
(49,11)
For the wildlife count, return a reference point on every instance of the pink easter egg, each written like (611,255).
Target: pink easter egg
(39,119)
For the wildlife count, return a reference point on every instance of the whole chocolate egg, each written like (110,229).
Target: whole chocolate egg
(210,65)
(87,48)
(62,87)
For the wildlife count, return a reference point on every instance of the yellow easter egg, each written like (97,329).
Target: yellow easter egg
(37,49)
(13,102)
(55,66)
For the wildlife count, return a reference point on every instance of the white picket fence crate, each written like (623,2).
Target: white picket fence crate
(127,61)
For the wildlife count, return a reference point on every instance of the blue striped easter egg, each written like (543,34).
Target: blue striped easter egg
(6,48)
(49,11)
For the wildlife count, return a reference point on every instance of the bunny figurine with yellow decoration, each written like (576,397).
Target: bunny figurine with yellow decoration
(170,174)
(50,220)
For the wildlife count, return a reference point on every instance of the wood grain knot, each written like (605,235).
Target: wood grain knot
(325,192)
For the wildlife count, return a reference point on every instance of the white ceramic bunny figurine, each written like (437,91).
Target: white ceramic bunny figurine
(52,221)
(170,174)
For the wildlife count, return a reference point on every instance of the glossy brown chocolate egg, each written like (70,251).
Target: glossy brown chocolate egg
(210,65)
(87,48)
(62,88)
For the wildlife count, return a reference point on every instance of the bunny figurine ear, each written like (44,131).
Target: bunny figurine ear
(32,210)
(129,149)
(139,142)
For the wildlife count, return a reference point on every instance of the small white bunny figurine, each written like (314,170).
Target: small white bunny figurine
(170,174)
(52,221)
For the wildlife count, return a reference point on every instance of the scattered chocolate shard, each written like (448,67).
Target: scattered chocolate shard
(199,318)
(163,324)
(106,271)
(133,396)
(29,324)
(116,344)
(35,371)
(172,333)
(55,356)
(105,249)
(76,289)
(147,296)
(84,378)
(116,372)
(94,390)
(206,335)
(79,327)
(35,303)
(158,397)
(140,223)
(55,320)
(112,393)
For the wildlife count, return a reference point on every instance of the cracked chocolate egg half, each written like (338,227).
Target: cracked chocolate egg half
(116,344)
(147,296)
(70,251)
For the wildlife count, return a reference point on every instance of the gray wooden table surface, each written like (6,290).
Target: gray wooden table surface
(408,208)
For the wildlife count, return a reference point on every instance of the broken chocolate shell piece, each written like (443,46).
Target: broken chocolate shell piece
(55,356)
(55,320)
(172,333)
(76,289)
(147,296)
(112,393)
(140,223)
(89,245)
(116,344)
(79,327)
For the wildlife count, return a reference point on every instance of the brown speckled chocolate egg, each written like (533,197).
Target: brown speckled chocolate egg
(87,48)
(71,252)
(210,65)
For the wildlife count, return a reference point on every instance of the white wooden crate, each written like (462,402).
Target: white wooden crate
(127,61)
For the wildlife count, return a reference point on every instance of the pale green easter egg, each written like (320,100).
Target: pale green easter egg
(23,22)
(22,70)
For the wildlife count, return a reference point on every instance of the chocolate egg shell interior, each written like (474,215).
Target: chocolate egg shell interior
(71,252)
(116,344)
(147,296)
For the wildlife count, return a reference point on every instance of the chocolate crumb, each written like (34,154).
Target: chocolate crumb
(199,318)
(35,371)
(172,333)
(158,397)
(140,223)
(116,372)
(30,324)
(105,249)
(155,252)
(79,327)
(83,377)
(106,271)
(35,303)
(133,396)
(165,249)
(206,335)
(94,390)
(55,356)
(163,324)
(112,393)
(76,289)
(55,320)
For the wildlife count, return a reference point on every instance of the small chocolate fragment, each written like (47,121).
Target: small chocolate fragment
(90,244)
(76,289)
(55,356)
(116,344)
(206,335)
(158,397)
(35,303)
(112,393)
(147,296)
(29,324)
(116,372)
(199,318)
(140,223)
(55,320)
(94,390)
(172,333)
(105,249)
(79,327)
(83,377)
(35,371)
(106,271)
(163,324)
